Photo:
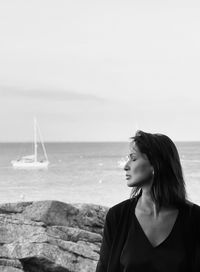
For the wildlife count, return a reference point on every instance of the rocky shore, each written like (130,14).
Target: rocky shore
(50,236)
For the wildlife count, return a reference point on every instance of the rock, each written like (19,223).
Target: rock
(9,265)
(14,207)
(9,269)
(50,236)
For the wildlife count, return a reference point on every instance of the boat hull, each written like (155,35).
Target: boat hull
(30,165)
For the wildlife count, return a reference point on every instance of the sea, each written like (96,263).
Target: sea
(83,173)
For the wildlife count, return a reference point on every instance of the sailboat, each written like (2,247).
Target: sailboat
(31,161)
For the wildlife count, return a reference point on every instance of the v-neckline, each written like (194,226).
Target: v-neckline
(147,239)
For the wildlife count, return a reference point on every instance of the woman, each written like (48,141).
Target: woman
(157,229)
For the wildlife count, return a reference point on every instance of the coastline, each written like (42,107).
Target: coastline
(50,236)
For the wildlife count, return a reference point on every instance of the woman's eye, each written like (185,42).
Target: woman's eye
(132,158)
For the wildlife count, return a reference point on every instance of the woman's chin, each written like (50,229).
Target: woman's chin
(131,183)
(137,182)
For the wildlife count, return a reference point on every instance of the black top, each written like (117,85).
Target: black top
(140,255)
(117,226)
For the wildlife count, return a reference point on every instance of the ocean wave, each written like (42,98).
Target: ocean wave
(191,161)
(194,175)
(6,167)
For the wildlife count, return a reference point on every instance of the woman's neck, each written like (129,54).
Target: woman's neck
(147,205)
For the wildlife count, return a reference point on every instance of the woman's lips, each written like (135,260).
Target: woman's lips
(128,176)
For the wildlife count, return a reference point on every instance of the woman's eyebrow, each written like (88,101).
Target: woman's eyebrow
(133,149)
(133,153)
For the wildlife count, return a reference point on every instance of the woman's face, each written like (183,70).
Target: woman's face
(138,169)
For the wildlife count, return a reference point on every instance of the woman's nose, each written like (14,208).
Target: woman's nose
(126,167)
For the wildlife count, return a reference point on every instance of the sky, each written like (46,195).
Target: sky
(98,70)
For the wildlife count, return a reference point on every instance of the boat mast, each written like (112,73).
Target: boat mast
(42,142)
(35,139)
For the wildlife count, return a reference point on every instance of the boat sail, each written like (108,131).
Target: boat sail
(31,161)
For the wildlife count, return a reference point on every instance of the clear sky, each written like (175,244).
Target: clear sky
(97,70)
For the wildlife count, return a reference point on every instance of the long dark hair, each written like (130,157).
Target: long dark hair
(168,186)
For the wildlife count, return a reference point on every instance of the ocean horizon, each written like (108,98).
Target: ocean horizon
(83,172)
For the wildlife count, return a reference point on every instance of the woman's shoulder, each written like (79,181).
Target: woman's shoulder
(192,204)
(119,212)
(121,204)
(194,208)
(122,207)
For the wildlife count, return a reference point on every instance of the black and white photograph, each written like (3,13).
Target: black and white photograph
(100,136)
